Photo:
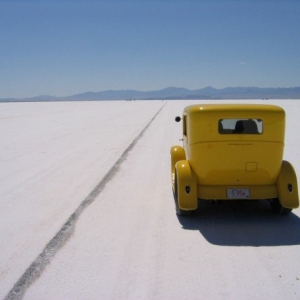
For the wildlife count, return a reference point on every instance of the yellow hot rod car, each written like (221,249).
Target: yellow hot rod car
(232,152)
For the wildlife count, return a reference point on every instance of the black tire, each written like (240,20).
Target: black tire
(278,208)
(179,211)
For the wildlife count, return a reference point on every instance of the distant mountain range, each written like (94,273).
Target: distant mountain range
(174,93)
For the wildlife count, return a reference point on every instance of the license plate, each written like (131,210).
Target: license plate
(238,193)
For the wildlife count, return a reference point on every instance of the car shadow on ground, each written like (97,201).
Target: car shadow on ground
(241,223)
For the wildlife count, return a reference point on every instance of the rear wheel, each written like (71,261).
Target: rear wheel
(278,208)
(179,212)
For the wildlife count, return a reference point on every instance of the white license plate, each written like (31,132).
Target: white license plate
(238,193)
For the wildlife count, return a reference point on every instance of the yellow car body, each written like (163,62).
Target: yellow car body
(233,151)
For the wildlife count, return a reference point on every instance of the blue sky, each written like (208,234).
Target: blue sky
(67,47)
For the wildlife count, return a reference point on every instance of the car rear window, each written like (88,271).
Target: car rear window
(238,126)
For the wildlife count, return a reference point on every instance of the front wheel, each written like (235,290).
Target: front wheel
(278,208)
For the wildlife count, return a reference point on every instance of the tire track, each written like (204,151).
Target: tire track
(58,241)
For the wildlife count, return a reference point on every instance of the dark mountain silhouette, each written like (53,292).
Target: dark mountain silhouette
(175,94)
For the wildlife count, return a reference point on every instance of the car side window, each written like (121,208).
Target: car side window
(240,126)
(184,125)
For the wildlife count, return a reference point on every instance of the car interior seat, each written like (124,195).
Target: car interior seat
(246,126)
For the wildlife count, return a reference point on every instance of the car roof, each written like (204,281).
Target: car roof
(233,108)
(203,120)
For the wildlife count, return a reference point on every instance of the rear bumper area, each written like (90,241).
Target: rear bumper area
(257,192)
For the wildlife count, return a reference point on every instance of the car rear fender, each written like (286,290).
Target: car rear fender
(287,186)
(186,186)
(177,153)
